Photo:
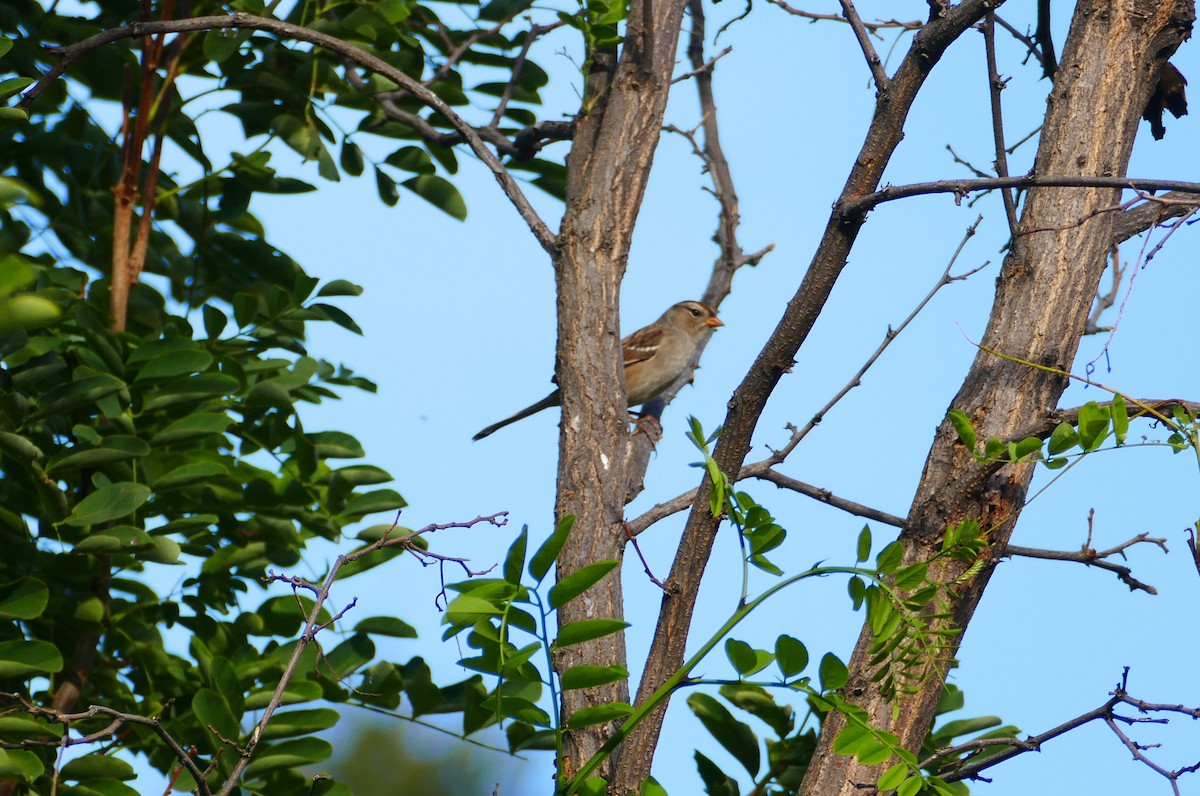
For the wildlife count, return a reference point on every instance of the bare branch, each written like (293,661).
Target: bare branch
(704,67)
(1028,41)
(995,86)
(872,27)
(864,41)
(1095,558)
(851,208)
(825,496)
(1146,216)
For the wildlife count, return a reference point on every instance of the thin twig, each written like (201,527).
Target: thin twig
(704,67)
(873,27)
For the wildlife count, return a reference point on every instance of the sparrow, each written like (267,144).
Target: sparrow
(655,357)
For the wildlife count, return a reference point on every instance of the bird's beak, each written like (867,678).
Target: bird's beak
(714,322)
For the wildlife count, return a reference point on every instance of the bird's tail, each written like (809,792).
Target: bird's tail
(550,400)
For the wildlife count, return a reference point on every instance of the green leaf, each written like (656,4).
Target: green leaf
(736,736)
(912,576)
(1093,425)
(214,713)
(757,702)
(16,727)
(467,609)
(910,787)
(97,766)
(174,365)
(23,599)
(716,781)
(651,788)
(962,425)
(741,655)
(339,287)
(120,539)
(599,714)
(351,158)
(215,321)
(192,427)
(189,474)
(289,754)
(1026,448)
(539,565)
(1120,418)
(337,445)
(389,194)
(889,558)
(386,626)
(348,657)
(291,723)
(20,658)
(583,630)
(892,777)
(109,503)
(17,764)
(360,506)
(864,544)
(593,786)
(220,44)
(115,448)
(440,193)
(69,397)
(14,85)
(791,655)
(514,562)
(590,676)
(411,158)
(297,691)
(833,672)
(578,582)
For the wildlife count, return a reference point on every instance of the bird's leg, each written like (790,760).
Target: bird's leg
(647,424)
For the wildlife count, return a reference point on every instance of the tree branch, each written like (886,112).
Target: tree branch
(995,86)
(852,208)
(1095,558)
(864,41)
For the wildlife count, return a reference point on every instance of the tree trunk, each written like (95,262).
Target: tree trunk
(1112,57)
(607,172)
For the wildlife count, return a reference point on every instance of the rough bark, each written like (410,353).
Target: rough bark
(607,172)
(1112,55)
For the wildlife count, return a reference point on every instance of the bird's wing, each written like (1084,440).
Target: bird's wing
(641,345)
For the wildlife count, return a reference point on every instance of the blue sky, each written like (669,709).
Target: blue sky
(459,331)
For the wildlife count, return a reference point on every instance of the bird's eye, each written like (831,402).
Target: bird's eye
(695,312)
